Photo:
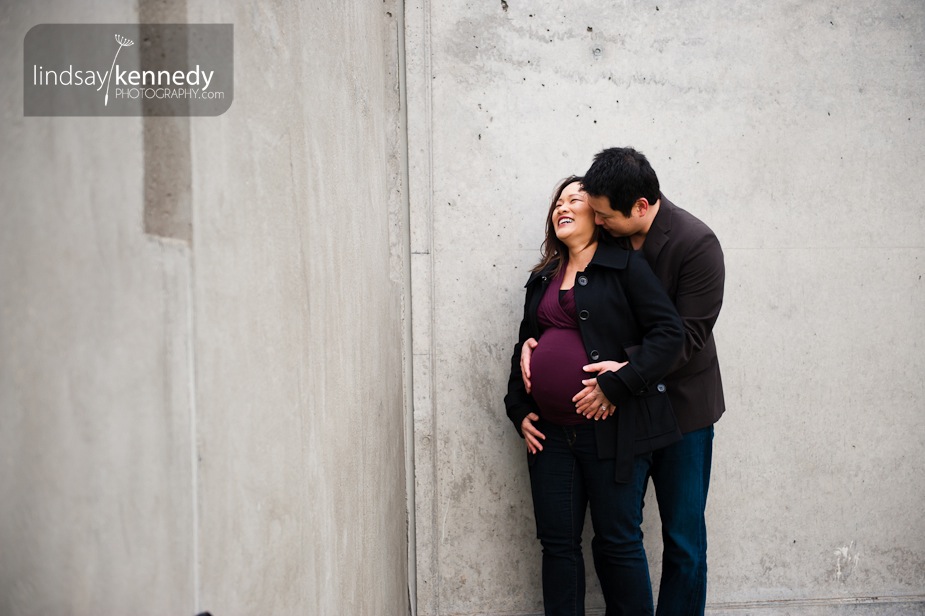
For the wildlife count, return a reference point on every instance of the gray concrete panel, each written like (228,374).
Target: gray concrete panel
(298,291)
(95,395)
(219,427)
(792,130)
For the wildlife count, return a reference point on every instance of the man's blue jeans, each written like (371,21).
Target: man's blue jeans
(565,478)
(681,476)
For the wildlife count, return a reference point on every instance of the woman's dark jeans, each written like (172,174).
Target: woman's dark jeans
(565,478)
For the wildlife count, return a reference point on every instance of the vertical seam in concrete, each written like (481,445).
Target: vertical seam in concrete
(194,441)
(428,123)
(420,188)
(407,313)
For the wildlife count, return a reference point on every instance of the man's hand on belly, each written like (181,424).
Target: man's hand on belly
(591,401)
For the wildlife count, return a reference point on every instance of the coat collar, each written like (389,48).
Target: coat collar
(608,254)
(660,230)
(534,275)
(544,273)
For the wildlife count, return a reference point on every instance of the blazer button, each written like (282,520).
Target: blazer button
(595,355)
(582,280)
(583,315)
(661,388)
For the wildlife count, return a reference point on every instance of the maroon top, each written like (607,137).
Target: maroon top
(556,362)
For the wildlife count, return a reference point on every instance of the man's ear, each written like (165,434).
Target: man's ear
(641,206)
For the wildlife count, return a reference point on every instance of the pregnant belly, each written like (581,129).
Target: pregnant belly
(556,374)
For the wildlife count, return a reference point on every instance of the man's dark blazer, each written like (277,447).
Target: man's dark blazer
(688,259)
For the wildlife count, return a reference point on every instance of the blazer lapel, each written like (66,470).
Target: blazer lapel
(658,233)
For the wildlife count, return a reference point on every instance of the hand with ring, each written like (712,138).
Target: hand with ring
(592,403)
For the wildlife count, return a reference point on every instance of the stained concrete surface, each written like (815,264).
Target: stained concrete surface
(781,125)
(298,300)
(95,405)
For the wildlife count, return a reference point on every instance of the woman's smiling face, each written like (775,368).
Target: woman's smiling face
(573,218)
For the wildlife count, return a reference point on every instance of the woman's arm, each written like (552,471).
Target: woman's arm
(518,401)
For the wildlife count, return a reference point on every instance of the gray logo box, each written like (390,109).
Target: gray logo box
(128,69)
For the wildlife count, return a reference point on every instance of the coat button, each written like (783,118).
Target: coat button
(582,280)
(661,388)
(583,315)
(595,355)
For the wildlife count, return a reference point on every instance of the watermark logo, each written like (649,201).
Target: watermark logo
(128,69)
(123,42)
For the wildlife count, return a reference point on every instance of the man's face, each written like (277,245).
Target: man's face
(613,221)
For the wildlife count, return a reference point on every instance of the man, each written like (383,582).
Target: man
(623,190)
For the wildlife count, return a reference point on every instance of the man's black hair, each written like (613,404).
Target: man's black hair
(623,175)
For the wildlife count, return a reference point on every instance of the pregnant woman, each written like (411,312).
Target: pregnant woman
(607,333)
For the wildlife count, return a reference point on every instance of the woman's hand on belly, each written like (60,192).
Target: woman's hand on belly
(526,351)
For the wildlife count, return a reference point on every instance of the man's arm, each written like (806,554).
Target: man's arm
(699,296)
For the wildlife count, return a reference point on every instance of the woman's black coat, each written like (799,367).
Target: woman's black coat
(623,314)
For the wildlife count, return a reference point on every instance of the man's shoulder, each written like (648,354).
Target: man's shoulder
(685,225)
(678,237)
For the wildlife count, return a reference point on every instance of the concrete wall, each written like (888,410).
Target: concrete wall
(298,261)
(216,422)
(795,130)
(95,483)
(204,403)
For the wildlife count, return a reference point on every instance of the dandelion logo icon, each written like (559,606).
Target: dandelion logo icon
(123,42)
